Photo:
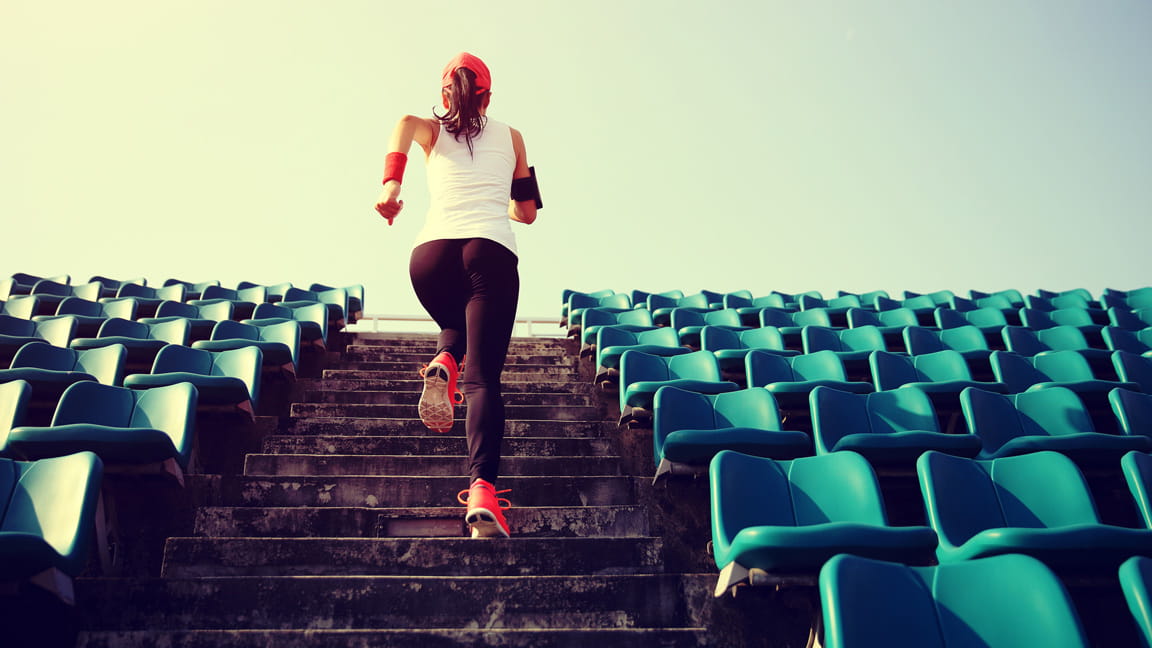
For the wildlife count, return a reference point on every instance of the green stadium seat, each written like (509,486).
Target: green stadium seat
(879,604)
(1049,418)
(792,379)
(192,289)
(689,428)
(110,287)
(222,378)
(641,374)
(1133,411)
(142,341)
(567,293)
(890,428)
(90,315)
(21,306)
(1036,504)
(313,319)
(16,332)
(969,341)
(853,346)
(243,302)
(891,324)
(47,520)
(661,307)
(201,319)
(731,347)
(923,306)
(790,517)
(689,322)
(592,319)
(50,370)
(280,343)
(1012,296)
(1135,369)
(1135,576)
(1121,339)
(149,299)
(14,396)
(153,427)
(578,304)
(612,342)
(355,292)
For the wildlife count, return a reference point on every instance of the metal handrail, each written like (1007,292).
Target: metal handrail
(372,324)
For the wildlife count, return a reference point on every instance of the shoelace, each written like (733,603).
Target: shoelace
(502,502)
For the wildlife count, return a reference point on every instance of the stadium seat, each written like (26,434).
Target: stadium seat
(577,303)
(16,332)
(222,378)
(1067,369)
(1120,339)
(313,320)
(613,341)
(836,308)
(592,319)
(689,428)
(640,297)
(243,302)
(201,319)
(567,293)
(274,293)
(792,379)
(21,306)
(1137,470)
(790,517)
(280,343)
(968,340)
(923,306)
(890,428)
(1011,295)
(149,299)
(14,395)
(48,520)
(942,375)
(50,370)
(853,346)
(662,307)
(731,347)
(90,315)
(1050,418)
(641,374)
(891,324)
(1133,411)
(1135,369)
(355,294)
(152,427)
(1036,504)
(689,322)
(879,604)
(51,293)
(1027,342)
(110,287)
(192,289)
(1135,576)
(783,320)
(142,341)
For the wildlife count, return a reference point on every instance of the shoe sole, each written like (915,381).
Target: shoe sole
(436,409)
(484,524)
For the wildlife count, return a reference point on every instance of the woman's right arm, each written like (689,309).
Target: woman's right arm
(409,129)
(521,211)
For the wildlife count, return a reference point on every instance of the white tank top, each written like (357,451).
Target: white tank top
(470,193)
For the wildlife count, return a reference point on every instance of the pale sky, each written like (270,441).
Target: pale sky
(824,145)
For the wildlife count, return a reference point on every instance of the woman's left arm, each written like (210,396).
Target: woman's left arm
(521,211)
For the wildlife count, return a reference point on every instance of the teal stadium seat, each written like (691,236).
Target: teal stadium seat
(280,343)
(785,322)
(48,512)
(641,374)
(787,518)
(243,302)
(16,332)
(1137,470)
(1134,369)
(689,428)
(142,341)
(566,295)
(1036,504)
(110,287)
(853,346)
(878,604)
(336,299)
(613,341)
(661,307)
(51,293)
(1121,339)
(578,304)
(923,306)
(731,346)
(192,289)
(355,293)
(222,378)
(21,306)
(1012,296)
(14,396)
(90,315)
(689,322)
(1028,342)
(313,319)
(1135,576)
(1050,418)
(792,379)
(836,308)
(153,427)
(149,299)
(592,319)
(50,370)
(889,428)
(967,340)
(891,324)
(942,375)
(201,319)
(274,293)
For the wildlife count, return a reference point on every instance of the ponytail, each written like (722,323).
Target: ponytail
(464,103)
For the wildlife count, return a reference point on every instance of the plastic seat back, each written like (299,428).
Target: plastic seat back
(1022,341)
(891,370)
(175,358)
(78,306)
(821,365)
(14,396)
(813,317)
(750,408)
(1063,366)
(723,317)
(899,316)
(964,339)
(820,338)
(765,337)
(171,409)
(106,364)
(682,317)
(715,338)
(698,365)
(838,487)
(1135,576)
(118,327)
(1073,317)
(862,338)
(986,318)
(1015,371)
(1133,411)
(992,417)
(177,309)
(835,415)
(747,491)
(1137,470)
(1052,411)
(762,368)
(1119,339)
(919,340)
(92,402)
(1063,338)
(45,356)
(862,317)
(230,330)
(1133,368)
(775,317)
(1036,319)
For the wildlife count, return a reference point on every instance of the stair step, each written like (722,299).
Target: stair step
(363,522)
(429,342)
(359,353)
(440,638)
(428,465)
(410,398)
(210,557)
(431,445)
(382,426)
(406,370)
(346,382)
(339,602)
(512,412)
(409,491)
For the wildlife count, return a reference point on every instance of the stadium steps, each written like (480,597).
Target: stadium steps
(344,531)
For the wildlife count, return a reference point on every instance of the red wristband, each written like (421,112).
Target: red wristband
(394,164)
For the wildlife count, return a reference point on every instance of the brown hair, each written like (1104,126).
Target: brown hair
(464,103)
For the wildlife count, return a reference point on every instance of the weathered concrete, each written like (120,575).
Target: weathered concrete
(427,465)
(433,445)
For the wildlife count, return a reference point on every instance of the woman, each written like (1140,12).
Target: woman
(463,265)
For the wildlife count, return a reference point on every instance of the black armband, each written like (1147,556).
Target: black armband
(527,189)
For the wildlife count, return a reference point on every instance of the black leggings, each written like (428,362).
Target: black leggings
(470,288)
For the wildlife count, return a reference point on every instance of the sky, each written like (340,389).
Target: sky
(769,145)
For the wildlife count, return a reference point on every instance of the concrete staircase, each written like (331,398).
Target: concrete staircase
(345,530)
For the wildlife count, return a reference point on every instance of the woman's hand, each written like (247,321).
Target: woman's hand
(389,204)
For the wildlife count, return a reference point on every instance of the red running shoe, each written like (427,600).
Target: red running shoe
(440,393)
(484,510)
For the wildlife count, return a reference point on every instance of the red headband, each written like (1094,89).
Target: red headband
(470,62)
